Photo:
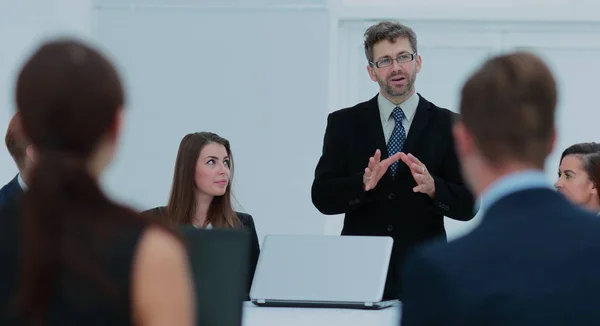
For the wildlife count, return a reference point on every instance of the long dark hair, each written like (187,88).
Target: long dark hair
(182,201)
(69,96)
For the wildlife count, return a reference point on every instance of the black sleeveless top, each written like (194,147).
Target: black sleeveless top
(75,301)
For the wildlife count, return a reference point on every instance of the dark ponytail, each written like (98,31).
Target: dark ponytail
(69,97)
(60,185)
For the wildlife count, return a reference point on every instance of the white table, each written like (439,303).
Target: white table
(276,316)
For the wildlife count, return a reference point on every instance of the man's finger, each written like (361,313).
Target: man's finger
(388,161)
(404,157)
(372,163)
(377,156)
(418,168)
(370,183)
(419,178)
(414,159)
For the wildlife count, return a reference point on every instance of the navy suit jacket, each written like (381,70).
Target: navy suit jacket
(533,260)
(9,191)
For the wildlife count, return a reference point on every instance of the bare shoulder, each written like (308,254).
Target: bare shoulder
(160,244)
(159,253)
(162,285)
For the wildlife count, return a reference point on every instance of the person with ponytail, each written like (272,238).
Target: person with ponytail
(69,255)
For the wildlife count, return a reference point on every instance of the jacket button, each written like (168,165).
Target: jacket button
(392,196)
(390,228)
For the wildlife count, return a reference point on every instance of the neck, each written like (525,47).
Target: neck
(397,100)
(203,202)
(593,206)
(99,160)
(95,169)
(488,175)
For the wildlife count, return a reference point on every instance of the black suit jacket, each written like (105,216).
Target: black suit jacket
(10,191)
(392,208)
(247,222)
(533,260)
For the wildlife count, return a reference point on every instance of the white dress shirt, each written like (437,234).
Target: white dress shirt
(409,107)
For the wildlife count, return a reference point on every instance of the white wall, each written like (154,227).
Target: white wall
(254,74)
(23,23)
(266,73)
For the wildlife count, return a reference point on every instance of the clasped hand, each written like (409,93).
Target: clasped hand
(377,168)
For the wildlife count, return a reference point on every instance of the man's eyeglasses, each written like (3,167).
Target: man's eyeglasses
(403,58)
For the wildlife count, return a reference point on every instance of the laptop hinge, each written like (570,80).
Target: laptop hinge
(368,304)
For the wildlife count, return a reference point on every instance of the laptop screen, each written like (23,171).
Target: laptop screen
(322,268)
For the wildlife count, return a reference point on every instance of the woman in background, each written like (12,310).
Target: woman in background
(579,175)
(201,190)
(69,255)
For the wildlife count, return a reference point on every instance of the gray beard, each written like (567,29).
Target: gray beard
(390,90)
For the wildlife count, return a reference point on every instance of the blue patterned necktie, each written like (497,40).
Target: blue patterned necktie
(396,141)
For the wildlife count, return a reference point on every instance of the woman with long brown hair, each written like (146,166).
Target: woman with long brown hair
(71,256)
(201,189)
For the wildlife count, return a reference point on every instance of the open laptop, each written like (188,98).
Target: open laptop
(219,260)
(322,271)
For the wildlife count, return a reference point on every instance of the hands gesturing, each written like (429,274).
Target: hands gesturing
(424,180)
(377,168)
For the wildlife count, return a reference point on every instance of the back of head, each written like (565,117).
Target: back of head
(69,97)
(182,200)
(508,106)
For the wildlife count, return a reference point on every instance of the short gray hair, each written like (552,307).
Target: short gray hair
(387,30)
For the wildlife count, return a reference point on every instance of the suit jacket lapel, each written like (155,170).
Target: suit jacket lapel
(374,127)
(422,116)
(9,191)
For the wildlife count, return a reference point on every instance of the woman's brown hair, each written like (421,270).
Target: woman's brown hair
(182,201)
(69,97)
(589,154)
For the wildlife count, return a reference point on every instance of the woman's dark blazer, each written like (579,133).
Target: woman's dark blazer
(248,224)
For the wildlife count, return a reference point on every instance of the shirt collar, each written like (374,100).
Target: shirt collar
(21,182)
(511,183)
(409,107)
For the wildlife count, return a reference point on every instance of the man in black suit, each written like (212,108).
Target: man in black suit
(21,152)
(389,163)
(534,259)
